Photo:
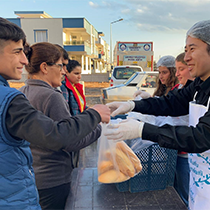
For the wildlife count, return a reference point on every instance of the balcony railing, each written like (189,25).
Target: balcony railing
(74,42)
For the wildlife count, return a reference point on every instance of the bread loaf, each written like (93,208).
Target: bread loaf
(104,166)
(128,151)
(124,163)
(112,176)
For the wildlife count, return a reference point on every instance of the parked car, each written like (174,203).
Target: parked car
(121,73)
(145,81)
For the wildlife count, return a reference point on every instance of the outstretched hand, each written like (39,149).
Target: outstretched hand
(142,94)
(125,130)
(120,107)
(104,112)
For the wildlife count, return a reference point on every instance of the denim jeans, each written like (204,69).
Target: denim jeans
(182,176)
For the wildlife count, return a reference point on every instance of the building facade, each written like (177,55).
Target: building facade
(78,37)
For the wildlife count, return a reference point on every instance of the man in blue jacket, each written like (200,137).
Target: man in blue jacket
(19,121)
(193,100)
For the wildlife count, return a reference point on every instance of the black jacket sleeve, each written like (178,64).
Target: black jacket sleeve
(176,103)
(87,140)
(24,122)
(189,139)
(183,138)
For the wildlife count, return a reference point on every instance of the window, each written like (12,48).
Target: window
(150,82)
(40,36)
(125,73)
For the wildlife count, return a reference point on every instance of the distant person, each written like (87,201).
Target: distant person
(19,121)
(166,78)
(73,93)
(52,168)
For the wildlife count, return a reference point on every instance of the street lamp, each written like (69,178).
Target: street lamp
(111,38)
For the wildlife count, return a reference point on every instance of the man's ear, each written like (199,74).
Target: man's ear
(44,68)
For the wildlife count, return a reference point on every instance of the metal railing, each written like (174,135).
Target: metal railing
(74,42)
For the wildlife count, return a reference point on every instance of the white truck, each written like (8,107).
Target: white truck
(134,53)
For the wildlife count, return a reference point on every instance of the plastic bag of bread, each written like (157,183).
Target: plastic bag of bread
(116,161)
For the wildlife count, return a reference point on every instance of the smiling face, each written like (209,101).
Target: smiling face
(182,73)
(12,60)
(75,75)
(197,58)
(164,74)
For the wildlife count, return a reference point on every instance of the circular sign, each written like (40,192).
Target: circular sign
(146,47)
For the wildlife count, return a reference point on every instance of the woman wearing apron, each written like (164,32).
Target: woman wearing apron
(192,100)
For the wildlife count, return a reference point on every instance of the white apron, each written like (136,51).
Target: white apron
(199,195)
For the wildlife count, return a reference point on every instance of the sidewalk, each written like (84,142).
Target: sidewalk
(88,194)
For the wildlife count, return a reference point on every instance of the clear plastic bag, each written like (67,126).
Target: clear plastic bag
(160,120)
(116,161)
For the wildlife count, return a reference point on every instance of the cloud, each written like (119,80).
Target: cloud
(125,11)
(158,15)
(93,4)
(112,5)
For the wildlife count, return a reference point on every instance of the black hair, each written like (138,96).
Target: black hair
(10,31)
(71,65)
(63,52)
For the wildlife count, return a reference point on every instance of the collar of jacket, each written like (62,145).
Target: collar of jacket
(203,85)
(79,88)
(37,82)
(3,81)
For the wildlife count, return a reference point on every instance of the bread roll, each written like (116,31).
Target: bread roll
(127,150)
(122,177)
(122,160)
(124,163)
(108,177)
(112,176)
(104,166)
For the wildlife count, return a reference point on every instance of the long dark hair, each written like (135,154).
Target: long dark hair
(164,89)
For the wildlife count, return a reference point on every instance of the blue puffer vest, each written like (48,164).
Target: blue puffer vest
(17,182)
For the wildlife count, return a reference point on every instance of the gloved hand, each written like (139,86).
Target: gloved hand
(142,94)
(125,130)
(120,107)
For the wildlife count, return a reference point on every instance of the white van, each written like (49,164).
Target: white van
(121,73)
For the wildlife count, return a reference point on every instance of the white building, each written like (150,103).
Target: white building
(78,37)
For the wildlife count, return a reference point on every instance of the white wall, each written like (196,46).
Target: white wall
(53,25)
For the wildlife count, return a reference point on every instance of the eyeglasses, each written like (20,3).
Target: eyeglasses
(60,65)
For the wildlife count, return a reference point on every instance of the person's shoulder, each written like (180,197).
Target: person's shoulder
(56,95)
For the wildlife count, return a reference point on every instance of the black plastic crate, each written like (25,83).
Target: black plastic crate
(158,170)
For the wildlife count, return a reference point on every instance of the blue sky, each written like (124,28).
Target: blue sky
(164,22)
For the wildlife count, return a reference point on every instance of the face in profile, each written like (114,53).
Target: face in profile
(197,58)
(55,73)
(12,59)
(164,75)
(75,75)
